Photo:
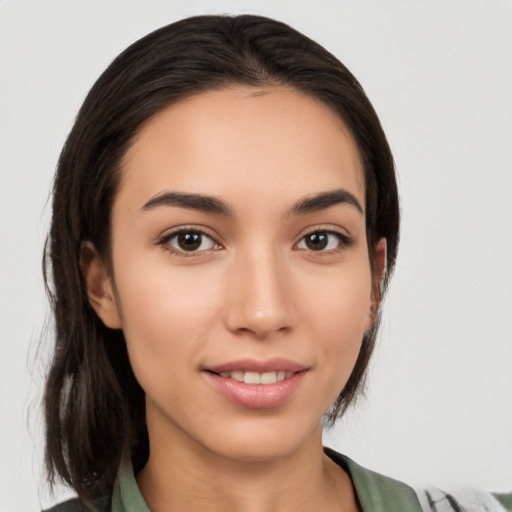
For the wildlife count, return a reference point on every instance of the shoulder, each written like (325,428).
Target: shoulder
(379,493)
(75,505)
(376,492)
(505,499)
(463,500)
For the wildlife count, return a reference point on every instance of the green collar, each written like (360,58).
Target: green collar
(127,496)
(376,493)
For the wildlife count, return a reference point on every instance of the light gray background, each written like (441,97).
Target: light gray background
(438,408)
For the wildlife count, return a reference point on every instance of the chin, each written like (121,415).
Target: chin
(265,440)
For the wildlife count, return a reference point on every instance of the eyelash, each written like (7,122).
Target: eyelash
(344,241)
(164,242)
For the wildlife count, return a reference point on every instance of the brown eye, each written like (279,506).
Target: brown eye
(323,241)
(317,241)
(189,241)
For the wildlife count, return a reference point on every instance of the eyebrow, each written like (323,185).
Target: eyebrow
(325,200)
(209,204)
(192,201)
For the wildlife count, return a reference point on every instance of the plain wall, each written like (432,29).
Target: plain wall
(438,407)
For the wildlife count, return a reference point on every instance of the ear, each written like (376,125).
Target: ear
(378,274)
(99,287)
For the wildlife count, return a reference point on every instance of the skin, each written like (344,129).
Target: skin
(254,289)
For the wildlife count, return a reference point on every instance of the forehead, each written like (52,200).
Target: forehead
(244,140)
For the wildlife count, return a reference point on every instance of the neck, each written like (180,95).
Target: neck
(195,479)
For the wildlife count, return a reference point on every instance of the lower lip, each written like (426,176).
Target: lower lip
(256,396)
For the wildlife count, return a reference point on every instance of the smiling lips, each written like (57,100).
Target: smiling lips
(257,378)
(255,384)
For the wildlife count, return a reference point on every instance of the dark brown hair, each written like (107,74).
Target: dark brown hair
(94,407)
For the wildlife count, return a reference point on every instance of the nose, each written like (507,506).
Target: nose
(259,296)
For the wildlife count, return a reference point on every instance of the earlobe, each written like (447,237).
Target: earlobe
(381,252)
(98,283)
(379,273)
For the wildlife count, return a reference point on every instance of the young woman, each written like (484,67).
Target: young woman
(225,222)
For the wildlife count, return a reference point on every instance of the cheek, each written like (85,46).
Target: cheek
(166,313)
(339,301)
(338,313)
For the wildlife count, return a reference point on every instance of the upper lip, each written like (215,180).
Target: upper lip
(254,365)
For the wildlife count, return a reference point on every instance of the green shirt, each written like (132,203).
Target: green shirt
(375,492)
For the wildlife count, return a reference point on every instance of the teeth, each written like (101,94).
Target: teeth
(269,378)
(252,378)
(257,378)
(239,376)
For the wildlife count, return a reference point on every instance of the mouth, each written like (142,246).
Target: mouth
(257,384)
(251,371)
(256,377)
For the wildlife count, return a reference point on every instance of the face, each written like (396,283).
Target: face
(241,276)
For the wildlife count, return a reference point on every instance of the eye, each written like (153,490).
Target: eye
(188,241)
(323,241)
